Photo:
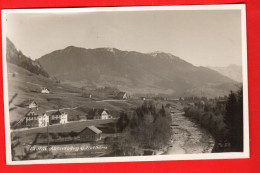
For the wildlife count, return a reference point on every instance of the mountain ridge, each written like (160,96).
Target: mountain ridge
(135,72)
(232,71)
(17,57)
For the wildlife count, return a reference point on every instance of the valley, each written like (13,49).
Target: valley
(76,97)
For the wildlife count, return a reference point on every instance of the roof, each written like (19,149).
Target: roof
(45,88)
(56,113)
(27,103)
(99,111)
(94,129)
(40,111)
(37,112)
(26,115)
(121,94)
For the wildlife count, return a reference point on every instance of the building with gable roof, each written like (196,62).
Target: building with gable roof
(122,95)
(36,118)
(31,104)
(90,133)
(45,90)
(101,114)
(59,117)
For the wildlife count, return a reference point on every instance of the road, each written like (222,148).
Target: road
(188,137)
(62,109)
(112,100)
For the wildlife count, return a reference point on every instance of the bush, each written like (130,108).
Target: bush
(148,128)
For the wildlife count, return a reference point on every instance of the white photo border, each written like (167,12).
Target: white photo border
(202,156)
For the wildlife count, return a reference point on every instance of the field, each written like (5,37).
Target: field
(59,128)
(27,86)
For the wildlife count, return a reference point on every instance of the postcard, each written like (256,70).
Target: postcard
(115,84)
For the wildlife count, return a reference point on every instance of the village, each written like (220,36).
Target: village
(81,129)
(69,126)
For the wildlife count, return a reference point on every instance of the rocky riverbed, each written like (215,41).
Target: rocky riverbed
(188,137)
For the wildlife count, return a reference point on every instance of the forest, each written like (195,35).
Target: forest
(223,118)
(148,127)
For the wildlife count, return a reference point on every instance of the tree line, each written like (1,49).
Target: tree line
(147,127)
(223,119)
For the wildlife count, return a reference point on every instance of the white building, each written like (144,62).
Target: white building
(45,91)
(122,95)
(43,120)
(59,117)
(101,114)
(36,118)
(33,104)
(29,104)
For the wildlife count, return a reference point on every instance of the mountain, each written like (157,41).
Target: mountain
(17,57)
(134,72)
(232,71)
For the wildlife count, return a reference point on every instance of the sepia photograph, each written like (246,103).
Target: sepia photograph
(113,84)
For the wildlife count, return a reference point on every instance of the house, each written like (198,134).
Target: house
(31,104)
(90,133)
(101,114)
(45,90)
(31,119)
(122,95)
(77,133)
(59,117)
(36,118)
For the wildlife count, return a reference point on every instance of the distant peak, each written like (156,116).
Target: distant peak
(70,47)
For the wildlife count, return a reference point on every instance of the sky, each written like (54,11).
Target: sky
(203,38)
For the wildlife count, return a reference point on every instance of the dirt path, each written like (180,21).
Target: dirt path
(189,137)
(114,100)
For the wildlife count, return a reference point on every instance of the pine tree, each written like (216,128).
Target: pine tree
(234,120)
(239,121)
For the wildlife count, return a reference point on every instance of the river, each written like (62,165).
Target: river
(188,137)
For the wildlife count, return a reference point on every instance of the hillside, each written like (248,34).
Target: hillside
(232,71)
(17,57)
(134,72)
(27,86)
